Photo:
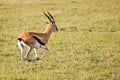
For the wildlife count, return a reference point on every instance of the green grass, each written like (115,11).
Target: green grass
(87,46)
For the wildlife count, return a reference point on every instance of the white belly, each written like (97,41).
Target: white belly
(38,45)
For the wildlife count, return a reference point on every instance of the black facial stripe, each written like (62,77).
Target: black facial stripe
(38,40)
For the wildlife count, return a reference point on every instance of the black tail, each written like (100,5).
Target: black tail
(19,39)
(39,40)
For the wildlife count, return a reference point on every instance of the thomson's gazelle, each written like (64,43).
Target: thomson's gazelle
(34,40)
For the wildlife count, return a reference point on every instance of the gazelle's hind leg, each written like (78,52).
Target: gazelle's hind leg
(22,52)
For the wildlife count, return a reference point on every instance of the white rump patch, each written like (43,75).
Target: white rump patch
(21,42)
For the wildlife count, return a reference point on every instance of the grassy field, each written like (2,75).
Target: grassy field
(87,46)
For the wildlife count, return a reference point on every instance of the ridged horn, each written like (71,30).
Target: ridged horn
(47,16)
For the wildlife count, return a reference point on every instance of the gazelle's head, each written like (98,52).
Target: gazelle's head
(52,22)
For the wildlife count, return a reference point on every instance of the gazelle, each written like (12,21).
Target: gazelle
(34,40)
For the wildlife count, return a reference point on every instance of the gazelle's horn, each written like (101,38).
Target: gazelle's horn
(47,17)
(51,16)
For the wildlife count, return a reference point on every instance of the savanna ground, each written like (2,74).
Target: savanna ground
(87,46)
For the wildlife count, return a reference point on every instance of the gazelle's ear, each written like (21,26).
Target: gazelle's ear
(46,22)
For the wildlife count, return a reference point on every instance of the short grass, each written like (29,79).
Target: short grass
(87,46)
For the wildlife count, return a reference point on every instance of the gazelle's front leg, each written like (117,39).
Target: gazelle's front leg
(45,47)
(28,55)
(36,54)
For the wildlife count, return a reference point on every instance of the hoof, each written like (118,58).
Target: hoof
(37,59)
(29,60)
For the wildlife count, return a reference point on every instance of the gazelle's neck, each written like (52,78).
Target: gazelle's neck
(48,30)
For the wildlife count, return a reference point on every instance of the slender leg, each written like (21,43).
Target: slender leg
(44,53)
(28,55)
(22,53)
(36,54)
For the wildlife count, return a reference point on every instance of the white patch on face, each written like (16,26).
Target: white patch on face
(54,28)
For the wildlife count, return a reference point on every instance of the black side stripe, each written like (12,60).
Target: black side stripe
(38,40)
